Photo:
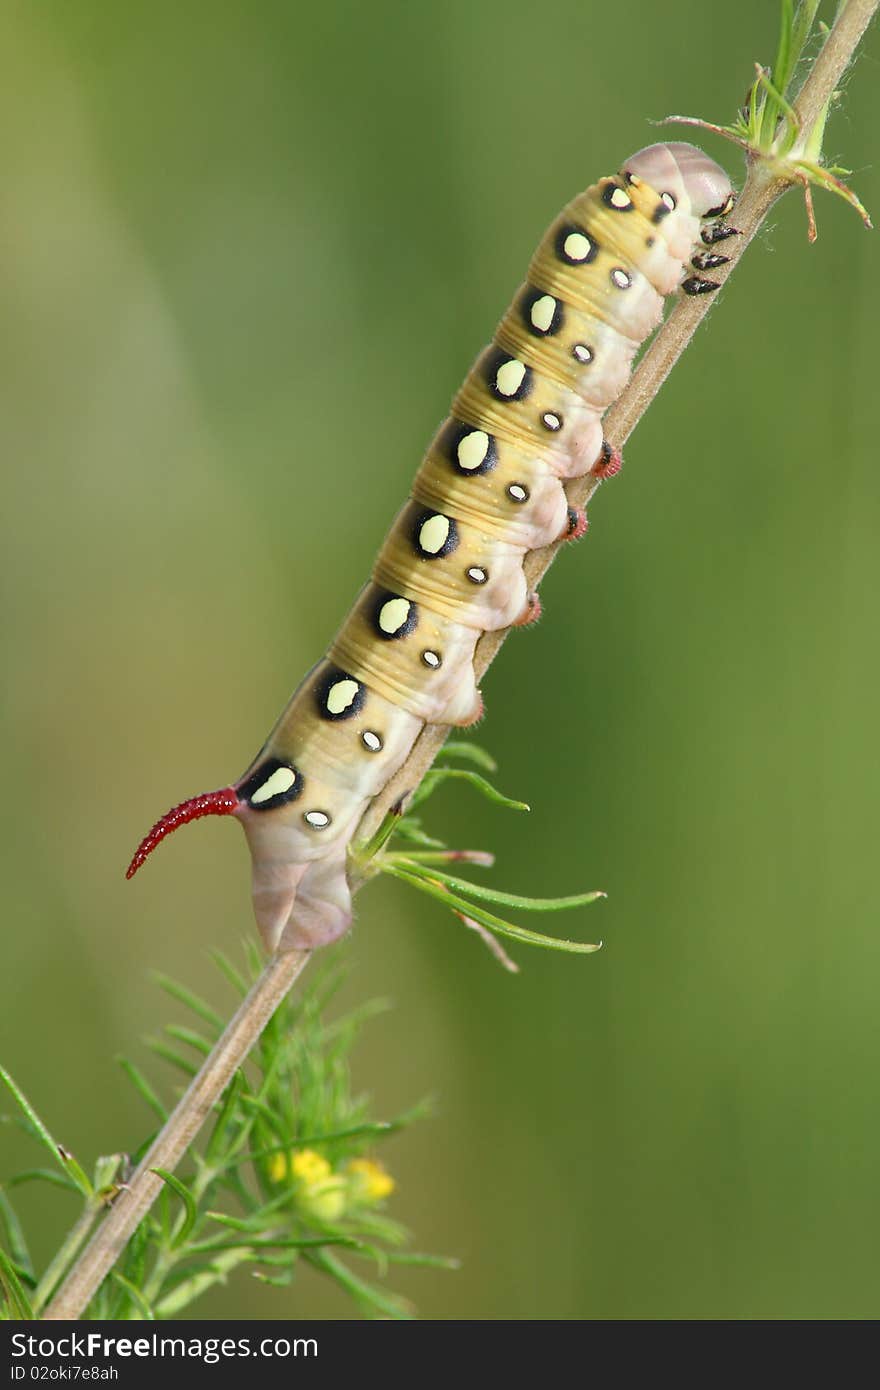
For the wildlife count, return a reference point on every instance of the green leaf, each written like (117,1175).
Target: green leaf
(437,775)
(42,1175)
(234,976)
(225,1116)
(134,1294)
(142,1085)
(38,1130)
(188,1036)
(15,1235)
(191,1000)
(191,1210)
(494,895)
(496,924)
(19,1303)
(365,1293)
(169,1055)
(470,752)
(136,1254)
(410,828)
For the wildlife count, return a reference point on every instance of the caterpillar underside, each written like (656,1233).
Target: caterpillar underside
(490,489)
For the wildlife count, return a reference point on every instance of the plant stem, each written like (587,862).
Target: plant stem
(68,1251)
(761,190)
(181,1127)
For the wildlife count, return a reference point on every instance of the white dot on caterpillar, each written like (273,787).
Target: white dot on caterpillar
(509,377)
(472,449)
(318,820)
(582,352)
(577,247)
(341,695)
(281,780)
(668,201)
(550,421)
(477,575)
(542,311)
(621,279)
(394,615)
(431,659)
(619,198)
(517,493)
(371,741)
(434,533)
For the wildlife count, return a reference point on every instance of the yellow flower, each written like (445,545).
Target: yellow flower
(303,1164)
(278,1167)
(370,1181)
(309,1167)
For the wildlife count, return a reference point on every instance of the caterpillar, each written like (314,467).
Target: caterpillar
(490,489)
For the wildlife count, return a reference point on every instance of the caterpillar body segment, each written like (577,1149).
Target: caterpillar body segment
(491,487)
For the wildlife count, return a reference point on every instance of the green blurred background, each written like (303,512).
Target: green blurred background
(248,251)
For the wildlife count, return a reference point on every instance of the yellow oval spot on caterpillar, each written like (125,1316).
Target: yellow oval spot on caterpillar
(341,695)
(281,780)
(542,311)
(472,450)
(433,534)
(577,247)
(509,377)
(393,615)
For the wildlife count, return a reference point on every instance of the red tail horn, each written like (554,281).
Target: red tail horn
(221,803)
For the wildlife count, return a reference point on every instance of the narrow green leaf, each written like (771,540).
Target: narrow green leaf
(136,1254)
(225,1115)
(191,1000)
(365,1293)
(471,752)
(191,1210)
(134,1294)
(410,828)
(782,67)
(234,976)
(142,1085)
(15,1235)
(496,924)
(437,775)
(168,1054)
(35,1126)
(401,1257)
(208,1247)
(42,1175)
(188,1036)
(19,1303)
(494,895)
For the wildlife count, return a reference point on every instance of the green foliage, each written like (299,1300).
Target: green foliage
(421,867)
(284,1176)
(768,127)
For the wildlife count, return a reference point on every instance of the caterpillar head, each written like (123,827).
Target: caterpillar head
(677,169)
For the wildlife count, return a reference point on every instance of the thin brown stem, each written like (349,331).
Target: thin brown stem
(181,1127)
